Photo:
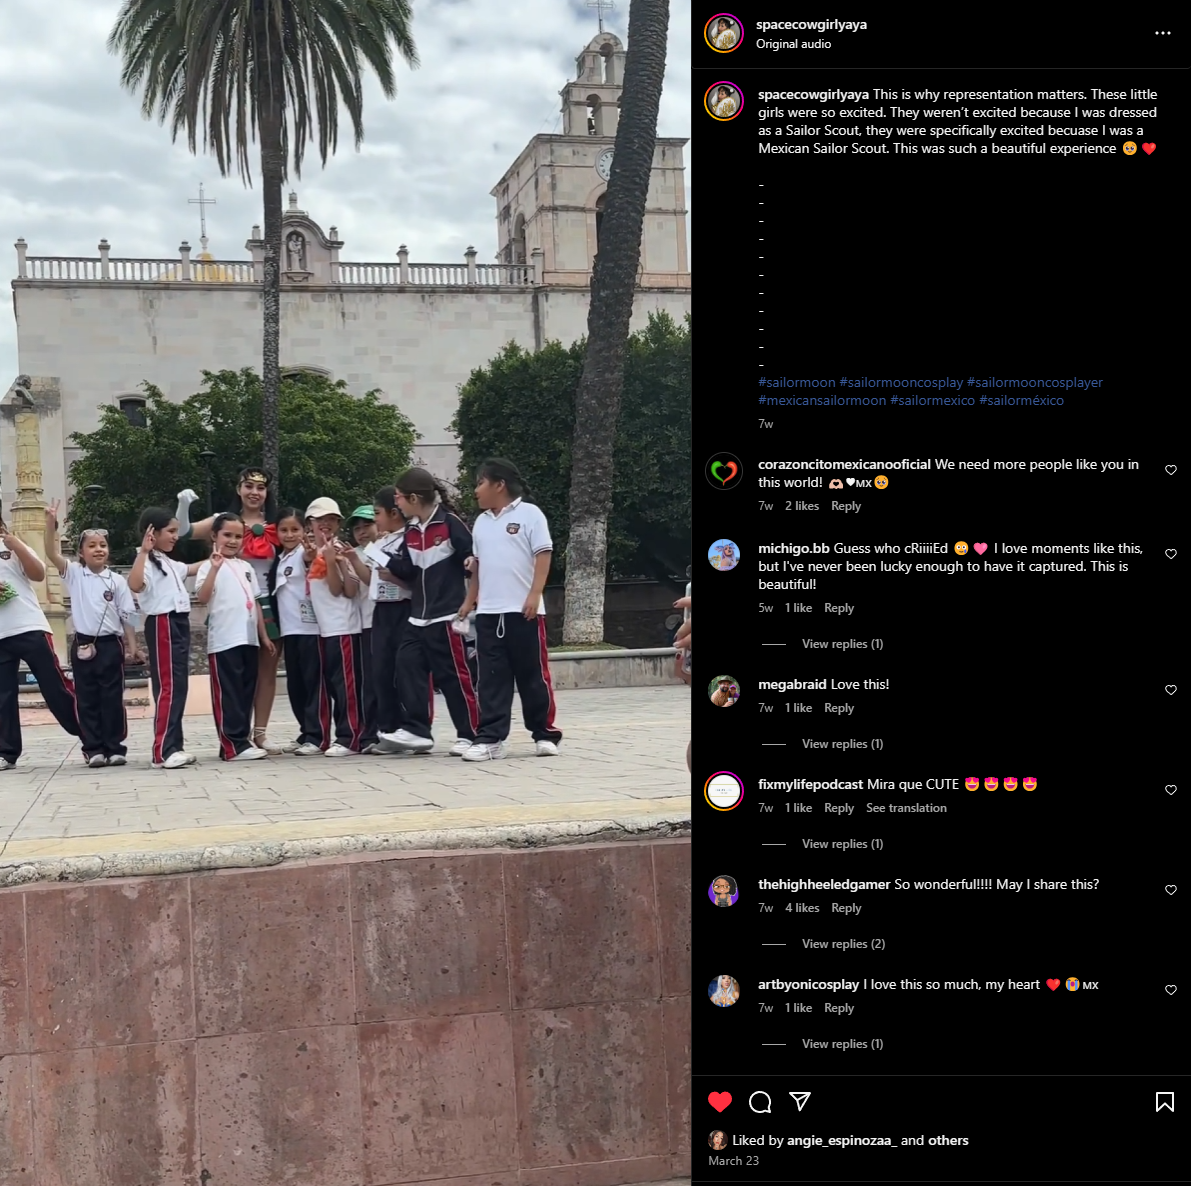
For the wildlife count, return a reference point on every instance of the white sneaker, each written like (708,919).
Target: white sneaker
(5,764)
(251,754)
(96,760)
(405,742)
(545,749)
(461,746)
(117,760)
(289,747)
(177,759)
(307,750)
(340,751)
(480,752)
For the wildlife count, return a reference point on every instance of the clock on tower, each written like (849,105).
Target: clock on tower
(603,164)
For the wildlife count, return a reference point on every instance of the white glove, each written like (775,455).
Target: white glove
(185,498)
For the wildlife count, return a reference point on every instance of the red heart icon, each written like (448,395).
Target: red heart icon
(719,1100)
(1148,148)
(1053,984)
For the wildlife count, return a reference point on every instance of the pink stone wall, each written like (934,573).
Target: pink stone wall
(476,1019)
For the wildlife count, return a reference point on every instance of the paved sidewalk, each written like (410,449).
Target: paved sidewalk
(623,757)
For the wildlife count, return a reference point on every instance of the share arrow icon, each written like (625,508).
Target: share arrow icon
(800,1098)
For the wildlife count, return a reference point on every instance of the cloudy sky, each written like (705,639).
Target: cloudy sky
(81,163)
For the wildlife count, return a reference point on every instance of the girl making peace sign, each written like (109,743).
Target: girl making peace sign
(236,633)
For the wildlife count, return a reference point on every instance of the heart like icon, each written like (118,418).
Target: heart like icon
(719,1100)
(1171,553)
(1172,889)
(716,466)
(1171,788)
(1171,469)
(1171,689)
(980,549)
(1053,984)
(1148,148)
(1171,989)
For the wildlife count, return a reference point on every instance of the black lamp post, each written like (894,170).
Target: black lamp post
(206,457)
(93,493)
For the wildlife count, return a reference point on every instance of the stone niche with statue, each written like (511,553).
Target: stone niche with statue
(27,404)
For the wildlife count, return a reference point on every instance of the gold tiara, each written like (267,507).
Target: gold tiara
(256,475)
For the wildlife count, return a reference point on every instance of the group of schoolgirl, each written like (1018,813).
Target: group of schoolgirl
(368,631)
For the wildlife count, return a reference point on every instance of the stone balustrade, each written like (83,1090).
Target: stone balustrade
(104,269)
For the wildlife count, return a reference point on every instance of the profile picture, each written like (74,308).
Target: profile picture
(724,691)
(723,555)
(722,32)
(724,791)
(722,891)
(723,991)
(718,1139)
(723,101)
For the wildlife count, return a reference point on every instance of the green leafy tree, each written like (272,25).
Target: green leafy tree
(271,71)
(332,445)
(613,285)
(522,406)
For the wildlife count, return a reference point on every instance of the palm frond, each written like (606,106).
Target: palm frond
(220,71)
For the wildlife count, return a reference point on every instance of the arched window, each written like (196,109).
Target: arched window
(294,372)
(607,75)
(519,253)
(593,114)
(133,408)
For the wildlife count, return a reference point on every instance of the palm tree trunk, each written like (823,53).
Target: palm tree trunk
(273,162)
(613,284)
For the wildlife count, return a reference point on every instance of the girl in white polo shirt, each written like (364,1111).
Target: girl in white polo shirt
(392,602)
(513,550)
(25,635)
(228,587)
(102,610)
(299,635)
(334,588)
(361,530)
(159,584)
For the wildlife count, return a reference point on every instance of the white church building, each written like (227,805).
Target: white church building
(90,331)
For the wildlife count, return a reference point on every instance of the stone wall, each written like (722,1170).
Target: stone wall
(508,1017)
(103,340)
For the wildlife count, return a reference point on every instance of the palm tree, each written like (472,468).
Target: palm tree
(231,72)
(613,283)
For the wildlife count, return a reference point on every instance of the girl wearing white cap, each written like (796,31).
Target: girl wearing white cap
(334,589)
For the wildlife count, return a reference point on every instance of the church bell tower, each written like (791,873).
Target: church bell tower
(552,197)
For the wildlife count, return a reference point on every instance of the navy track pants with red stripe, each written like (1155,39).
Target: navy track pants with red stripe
(99,690)
(437,652)
(306,690)
(512,650)
(167,639)
(343,678)
(37,650)
(233,688)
